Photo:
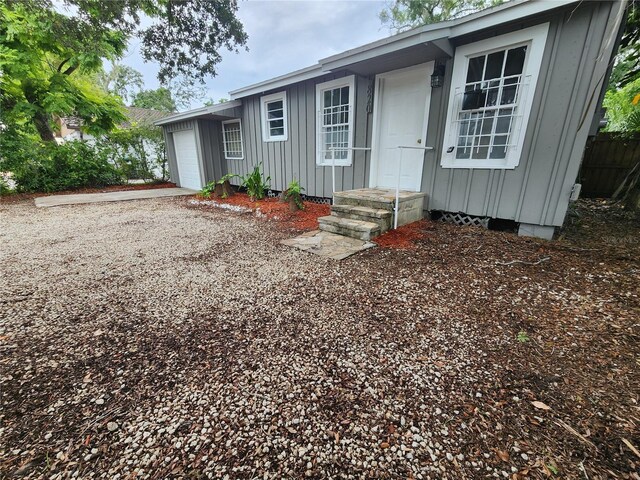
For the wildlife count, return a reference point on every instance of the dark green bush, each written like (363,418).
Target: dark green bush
(48,167)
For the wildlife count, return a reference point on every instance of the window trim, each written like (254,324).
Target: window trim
(348,81)
(536,38)
(224,139)
(266,132)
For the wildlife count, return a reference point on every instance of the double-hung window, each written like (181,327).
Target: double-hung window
(490,101)
(232,140)
(273,109)
(334,125)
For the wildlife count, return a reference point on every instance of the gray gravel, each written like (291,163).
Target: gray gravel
(153,339)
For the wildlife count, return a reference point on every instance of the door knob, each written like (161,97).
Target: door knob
(419,140)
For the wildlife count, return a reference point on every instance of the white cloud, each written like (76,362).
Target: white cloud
(284,36)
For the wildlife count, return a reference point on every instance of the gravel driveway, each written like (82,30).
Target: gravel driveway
(147,339)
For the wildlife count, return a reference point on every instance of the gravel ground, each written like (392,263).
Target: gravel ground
(151,339)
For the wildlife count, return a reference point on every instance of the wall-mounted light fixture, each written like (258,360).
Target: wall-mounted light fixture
(437,77)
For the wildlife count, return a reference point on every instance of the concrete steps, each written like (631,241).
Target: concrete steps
(353,199)
(366,213)
(382,218)
(349,227)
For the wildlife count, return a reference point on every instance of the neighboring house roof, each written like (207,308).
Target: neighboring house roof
(143,116)
(72,123)
(135,115)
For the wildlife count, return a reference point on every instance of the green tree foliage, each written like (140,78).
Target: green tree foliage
(627,64)
(45,71)
(137,152)
(121,80)
(158,99)
(403,14)
(49,51)
(210,101)
(622,100)
(623,115)
(183,37)
(123,153)
(127,83)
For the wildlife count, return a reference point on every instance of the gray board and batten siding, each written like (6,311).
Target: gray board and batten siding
(577,53)
(296,157)
(572,72)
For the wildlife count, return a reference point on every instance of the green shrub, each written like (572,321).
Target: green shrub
(227,178)
(294,191)
(48,167)
(256,184)
(208,190)
(224,185)
(136,151)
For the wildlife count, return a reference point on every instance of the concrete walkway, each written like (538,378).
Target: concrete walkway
(56,200)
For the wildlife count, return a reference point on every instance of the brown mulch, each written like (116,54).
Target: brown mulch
(274,209)
(198,347)
(405,236)
(20,197)
(572,309)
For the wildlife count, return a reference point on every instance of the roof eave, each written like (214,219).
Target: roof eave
(440,33)
(198,112)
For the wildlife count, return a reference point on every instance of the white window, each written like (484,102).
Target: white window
(334,127)
(490,101)
(274,117)
(232,140)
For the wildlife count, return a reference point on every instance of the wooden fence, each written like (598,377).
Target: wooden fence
(608,157)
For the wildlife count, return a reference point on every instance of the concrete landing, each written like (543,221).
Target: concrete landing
(74,199)
(382,195)
(328,245)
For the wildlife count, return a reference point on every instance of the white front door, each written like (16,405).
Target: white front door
(400,119)
(184,143)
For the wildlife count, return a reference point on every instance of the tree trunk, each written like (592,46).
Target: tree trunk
(629,190)
(633,199)
(44,129)
(40,119)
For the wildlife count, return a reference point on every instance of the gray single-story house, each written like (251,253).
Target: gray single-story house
(485,116)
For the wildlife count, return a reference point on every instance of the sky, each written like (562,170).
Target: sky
(283,36)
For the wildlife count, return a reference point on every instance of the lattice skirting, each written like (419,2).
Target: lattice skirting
(306,198)
(464,219)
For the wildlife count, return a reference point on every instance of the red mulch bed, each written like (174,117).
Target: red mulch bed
(274,209)
(406,236)
(18,197)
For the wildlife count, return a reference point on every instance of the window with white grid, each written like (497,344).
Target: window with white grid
(232,140)
(334,126)
(490,101)
(274,117)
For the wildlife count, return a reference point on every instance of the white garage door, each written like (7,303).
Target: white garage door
(187,158)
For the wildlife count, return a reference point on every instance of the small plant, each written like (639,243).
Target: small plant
(256,184)
(225,189)
(523,337)
(208,190)
(552,468)
(293,194)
